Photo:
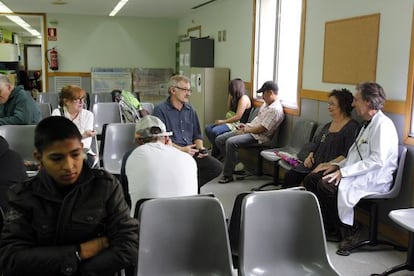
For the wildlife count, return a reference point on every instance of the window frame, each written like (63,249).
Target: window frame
(255,85)
(409,106)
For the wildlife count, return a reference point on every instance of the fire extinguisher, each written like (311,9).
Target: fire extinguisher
(53,59)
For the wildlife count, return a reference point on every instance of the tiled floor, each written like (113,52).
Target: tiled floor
(357,264)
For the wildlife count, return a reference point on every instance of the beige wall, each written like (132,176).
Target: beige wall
(101,41)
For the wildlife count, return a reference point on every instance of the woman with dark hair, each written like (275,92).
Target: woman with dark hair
(333,141)
(71,106)
(239,108)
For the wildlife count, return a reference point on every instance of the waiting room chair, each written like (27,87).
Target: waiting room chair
(404,218)
(148,107)
(282,234)
(48,97)
(20,139)
(183,236)
(45,109)
(105,113)
(99,97)
(372,202)
(119,138)
(285,165)
(303,132)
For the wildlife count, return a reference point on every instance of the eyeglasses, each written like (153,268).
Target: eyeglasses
(183,89)
(80,100)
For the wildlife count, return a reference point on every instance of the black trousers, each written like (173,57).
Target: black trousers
(293,178)
(327,196)
(208,168)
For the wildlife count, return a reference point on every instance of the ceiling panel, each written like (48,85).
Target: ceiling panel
(137,8)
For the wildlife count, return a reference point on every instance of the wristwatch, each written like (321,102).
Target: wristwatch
(77,253)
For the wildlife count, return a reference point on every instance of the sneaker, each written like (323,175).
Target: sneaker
(351,237)
(225,179)
(239,167)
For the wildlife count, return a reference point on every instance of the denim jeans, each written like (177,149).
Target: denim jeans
(229,144)
(212,131)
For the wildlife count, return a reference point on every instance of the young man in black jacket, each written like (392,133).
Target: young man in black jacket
(69,219)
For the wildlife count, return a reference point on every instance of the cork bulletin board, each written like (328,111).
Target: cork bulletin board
(350,52)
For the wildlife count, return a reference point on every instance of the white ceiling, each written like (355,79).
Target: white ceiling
(138,8)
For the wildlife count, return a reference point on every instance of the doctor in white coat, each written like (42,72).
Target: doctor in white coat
(371,160)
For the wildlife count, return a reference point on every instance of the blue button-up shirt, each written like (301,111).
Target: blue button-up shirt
(183,123)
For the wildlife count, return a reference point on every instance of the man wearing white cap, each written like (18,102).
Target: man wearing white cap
(155,168)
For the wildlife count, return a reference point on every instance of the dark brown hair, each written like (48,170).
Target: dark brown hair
(236,90)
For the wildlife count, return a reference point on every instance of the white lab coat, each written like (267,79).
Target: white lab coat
(378,147)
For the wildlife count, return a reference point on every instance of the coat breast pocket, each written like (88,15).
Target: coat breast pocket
(88,223)
(45,228)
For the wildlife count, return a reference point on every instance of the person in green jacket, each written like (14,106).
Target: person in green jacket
(17,107)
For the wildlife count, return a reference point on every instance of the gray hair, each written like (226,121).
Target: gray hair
(174,80)
(373,93)
(4,79)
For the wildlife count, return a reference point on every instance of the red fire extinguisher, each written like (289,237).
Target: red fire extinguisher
(53,59)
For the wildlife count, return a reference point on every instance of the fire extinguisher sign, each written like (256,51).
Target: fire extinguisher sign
(51,34)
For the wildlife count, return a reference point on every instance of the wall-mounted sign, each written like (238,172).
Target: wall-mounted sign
(51,34)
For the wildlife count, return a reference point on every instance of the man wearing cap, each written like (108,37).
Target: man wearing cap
(16,105)
(258,131)
(155,168)
(180,118)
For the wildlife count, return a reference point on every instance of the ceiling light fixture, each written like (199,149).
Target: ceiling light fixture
(18,20)
(118,6)
(4,8)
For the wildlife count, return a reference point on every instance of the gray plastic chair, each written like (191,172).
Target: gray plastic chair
(105,113)
(119,138)
(286,165)
(48,97)
(302,134)
(101,97)
(404,218)
(183,236)
(372,202)
(45,109)
(282,234)
(148,107)
(20,139)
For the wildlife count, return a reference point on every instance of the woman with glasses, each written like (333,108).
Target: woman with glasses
(332,143)
(239,109)
(71,105)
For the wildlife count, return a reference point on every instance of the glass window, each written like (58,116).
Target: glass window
(277,46)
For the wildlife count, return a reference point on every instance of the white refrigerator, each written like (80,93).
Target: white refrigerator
(209,95)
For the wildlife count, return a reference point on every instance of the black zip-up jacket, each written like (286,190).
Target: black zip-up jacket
(44,226)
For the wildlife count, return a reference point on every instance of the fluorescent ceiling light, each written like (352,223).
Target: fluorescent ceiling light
(118,6)
(18,20)
(4,8)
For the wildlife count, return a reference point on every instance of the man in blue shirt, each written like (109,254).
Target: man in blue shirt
(180,118)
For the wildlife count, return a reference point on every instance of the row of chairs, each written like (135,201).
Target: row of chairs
(281,233)
(194,239)
(102,97)
(119,138)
